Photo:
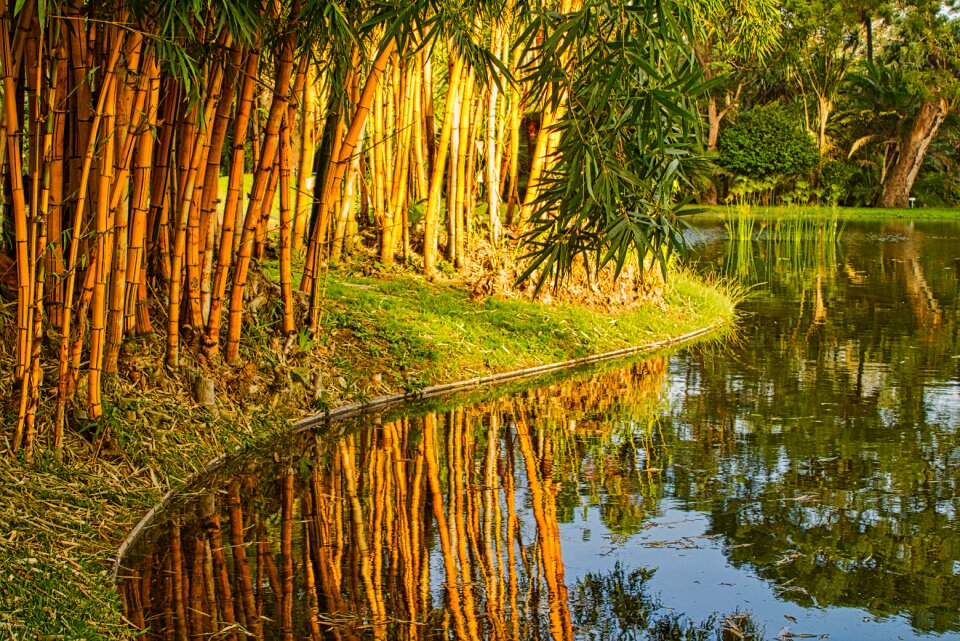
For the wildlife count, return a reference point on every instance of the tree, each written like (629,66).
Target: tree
(627,138)
(928,51)
(823,40)
(897,104)
(731,39)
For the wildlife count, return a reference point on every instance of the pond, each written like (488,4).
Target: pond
(799,479)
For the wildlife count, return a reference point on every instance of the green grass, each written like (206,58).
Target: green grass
(850,213)
(416,334)
(245,196)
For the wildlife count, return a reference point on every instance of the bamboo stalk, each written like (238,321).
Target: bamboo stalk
(197,613)
(346,205)
(446,543)
(308,133)
(232,205)
(310,581)
(30,392)
(365,567)
(54,266)
(241,567)
(329,151)
(181,588)
(432,216)
(254,209)
(221,579)
(286,556)
(161,176)
(186,207)
(464,161)
(286,232)
(493,156)
(470,188)
(269,198)
(140,198)
(104,249)
(131,110)
(64,357)
(401,179)
(14,161)
(211,180)
(454,169)
(347,149)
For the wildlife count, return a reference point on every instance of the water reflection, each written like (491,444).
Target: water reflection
(802,480)
(443,525)
(842,483)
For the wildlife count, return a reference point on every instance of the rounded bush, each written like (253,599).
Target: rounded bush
(766,141)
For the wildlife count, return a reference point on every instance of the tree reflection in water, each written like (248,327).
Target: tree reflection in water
(438,526)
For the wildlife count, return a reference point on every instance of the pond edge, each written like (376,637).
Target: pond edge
(381,402)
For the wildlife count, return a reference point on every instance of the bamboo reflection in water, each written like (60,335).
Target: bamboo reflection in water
(413,529)
(250,619)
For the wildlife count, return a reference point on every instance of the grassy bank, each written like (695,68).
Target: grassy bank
(850,213)
(62,520)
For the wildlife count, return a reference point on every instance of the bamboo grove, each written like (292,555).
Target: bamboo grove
(441,525)
(154,154)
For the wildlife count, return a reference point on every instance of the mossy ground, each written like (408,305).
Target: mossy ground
(63,518)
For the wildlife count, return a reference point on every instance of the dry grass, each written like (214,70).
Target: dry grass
(61,521)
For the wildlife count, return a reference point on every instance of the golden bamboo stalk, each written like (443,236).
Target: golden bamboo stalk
(72,265)
(336,173)
(443,529)
(241,568)
(14,162)
(286,556)
(286,232)
(221,579)
(305,157)
(184,216)
(232,205)
(140,197)
(268,152)
(432,216)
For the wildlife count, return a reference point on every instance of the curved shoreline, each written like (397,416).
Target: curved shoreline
(390,400)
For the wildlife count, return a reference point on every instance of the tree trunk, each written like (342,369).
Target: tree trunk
(709,196)
(824,107)
(713,123)
(896,190)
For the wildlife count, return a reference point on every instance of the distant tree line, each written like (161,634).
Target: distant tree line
(857,105)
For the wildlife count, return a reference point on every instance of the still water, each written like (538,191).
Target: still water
(798,480)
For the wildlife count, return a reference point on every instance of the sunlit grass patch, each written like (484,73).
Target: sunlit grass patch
(408,329)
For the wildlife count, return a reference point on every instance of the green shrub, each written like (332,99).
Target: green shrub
(835,181)
(767,141)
